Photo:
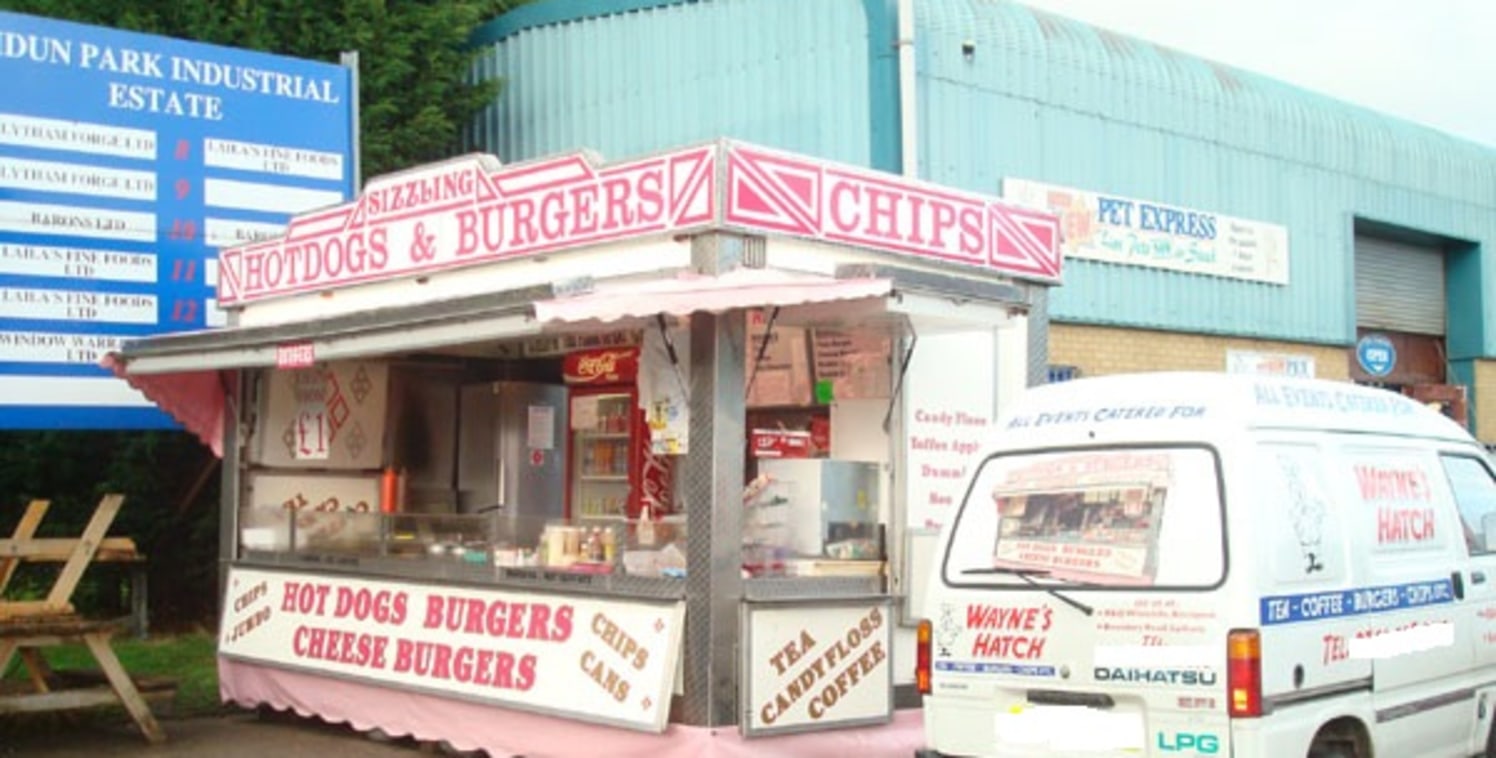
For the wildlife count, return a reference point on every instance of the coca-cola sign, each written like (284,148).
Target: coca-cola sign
(612,366)
(655,482)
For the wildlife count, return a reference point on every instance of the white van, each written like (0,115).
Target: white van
(1216,565)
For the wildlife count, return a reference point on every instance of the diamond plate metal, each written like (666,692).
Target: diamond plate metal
(229,494)
(717,254)
(1038,335)
(711,488)
(770,588)
(455,571)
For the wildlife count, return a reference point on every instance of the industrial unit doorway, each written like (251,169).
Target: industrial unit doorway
(1401,322)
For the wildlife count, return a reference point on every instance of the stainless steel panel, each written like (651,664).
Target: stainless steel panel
(453,571)
(828,500)
(711,489)
(768,588)
(497,468)
(532,480)
(1038,336)
(230,494)
(477,448)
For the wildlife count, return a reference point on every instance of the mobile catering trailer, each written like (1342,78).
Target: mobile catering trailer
(1212,564)
(559,458)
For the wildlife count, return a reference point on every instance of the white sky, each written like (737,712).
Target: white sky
(1430,61)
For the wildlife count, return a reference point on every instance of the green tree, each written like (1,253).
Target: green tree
(413,102)
(414,98)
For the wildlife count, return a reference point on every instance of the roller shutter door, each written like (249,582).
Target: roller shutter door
(1399,287)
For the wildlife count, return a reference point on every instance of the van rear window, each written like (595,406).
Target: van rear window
(1111,517)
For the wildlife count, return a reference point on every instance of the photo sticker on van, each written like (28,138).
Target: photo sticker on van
(1092,515)
(1102,517)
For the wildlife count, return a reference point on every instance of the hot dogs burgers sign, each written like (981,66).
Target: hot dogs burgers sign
(607,661)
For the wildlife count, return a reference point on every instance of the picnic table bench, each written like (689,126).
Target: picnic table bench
(27,626)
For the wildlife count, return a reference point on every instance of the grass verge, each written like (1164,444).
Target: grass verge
(190,659)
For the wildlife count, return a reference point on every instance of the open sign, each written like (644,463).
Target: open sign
(1376,355)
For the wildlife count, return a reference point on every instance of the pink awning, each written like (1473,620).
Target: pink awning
(196,399)
(689,292)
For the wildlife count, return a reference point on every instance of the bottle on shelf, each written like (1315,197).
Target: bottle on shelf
(596,552)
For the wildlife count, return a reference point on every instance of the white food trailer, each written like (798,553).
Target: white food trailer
(534,458)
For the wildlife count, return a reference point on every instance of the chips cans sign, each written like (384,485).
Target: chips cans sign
(590,659)
(810,668)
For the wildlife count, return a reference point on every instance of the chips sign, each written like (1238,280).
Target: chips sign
(471,210)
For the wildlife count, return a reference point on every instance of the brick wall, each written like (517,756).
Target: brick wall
(1098,351)
(1483,395)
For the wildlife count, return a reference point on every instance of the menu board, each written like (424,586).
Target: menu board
(856,363)
(782,375)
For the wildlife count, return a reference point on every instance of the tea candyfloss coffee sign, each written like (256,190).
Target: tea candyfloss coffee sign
(814,668)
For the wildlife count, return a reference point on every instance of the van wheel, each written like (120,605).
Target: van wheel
(1491,742)
(1336,750)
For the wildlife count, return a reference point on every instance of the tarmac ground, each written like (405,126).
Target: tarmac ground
(238,734)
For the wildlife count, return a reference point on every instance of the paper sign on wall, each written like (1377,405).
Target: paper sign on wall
(947,415)
(782,376)
(541,430)
(328,416)
(313,430)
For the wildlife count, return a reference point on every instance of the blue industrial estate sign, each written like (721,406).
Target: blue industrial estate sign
(126,161)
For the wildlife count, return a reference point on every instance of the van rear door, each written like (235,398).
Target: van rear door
(1076,595)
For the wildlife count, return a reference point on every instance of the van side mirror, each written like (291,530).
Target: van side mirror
(1488,531)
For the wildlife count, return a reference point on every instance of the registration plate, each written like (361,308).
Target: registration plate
(1070,730)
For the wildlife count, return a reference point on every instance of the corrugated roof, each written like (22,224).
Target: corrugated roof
(1047,98)
(1240,108)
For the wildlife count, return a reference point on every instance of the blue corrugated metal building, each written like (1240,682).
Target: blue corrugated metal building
(1390,228)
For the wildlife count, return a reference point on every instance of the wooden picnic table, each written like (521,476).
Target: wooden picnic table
(27,626)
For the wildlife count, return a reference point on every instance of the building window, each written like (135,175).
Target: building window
(1063,373)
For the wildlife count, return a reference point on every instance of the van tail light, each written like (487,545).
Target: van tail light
(1244,673)
(922,657)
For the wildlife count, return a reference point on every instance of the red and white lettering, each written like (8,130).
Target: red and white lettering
(1405,525)
(465,211)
